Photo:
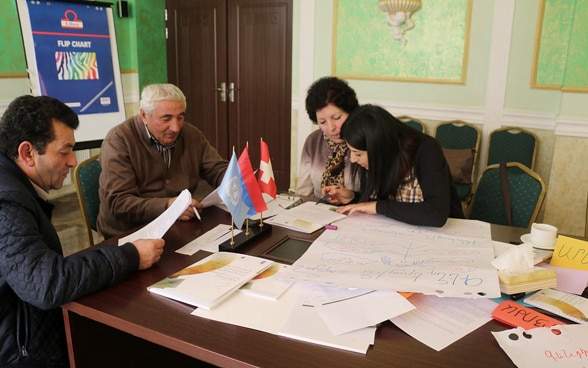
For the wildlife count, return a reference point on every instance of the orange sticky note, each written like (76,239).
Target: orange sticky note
(517,315)
(570,253)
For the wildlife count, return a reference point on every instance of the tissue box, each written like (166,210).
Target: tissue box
(535,279)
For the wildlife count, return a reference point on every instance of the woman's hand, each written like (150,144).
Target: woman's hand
(365,207)
(337,195)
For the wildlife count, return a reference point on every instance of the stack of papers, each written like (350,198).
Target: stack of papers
(211,280)
(335,317)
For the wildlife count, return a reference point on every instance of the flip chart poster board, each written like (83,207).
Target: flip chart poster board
(71,55)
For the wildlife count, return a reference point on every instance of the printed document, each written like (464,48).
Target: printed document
(158,227)
(307,218)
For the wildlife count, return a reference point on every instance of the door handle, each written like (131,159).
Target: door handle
(232,90)
(222,90)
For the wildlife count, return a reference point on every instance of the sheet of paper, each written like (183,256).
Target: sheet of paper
(208,241)
(350,310)
(248,311)
(213,199)
(570,253)
(276,206)
(516,315)
(304,323)
(373,252)
(557,346)
(307,218)
(158,227)
(466,228)
(271,315)
(568,279)
(439,322)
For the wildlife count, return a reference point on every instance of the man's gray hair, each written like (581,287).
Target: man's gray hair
(160,92)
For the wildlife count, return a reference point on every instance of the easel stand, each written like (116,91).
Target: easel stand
(241,239)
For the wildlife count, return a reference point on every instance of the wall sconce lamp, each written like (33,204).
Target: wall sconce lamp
(398,13)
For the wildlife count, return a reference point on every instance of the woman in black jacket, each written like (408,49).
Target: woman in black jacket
(403,172)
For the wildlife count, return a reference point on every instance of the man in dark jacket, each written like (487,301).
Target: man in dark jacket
(36,154)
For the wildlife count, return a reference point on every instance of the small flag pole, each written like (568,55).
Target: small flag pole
(261,213)
(247,219)
(232,232)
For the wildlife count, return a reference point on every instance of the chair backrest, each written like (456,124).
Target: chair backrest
(459,135)
(413,123)
(527,191)
(86,176)
(512,145)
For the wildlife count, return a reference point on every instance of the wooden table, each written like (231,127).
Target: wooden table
(126,326)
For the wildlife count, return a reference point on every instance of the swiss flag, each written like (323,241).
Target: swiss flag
(265,177)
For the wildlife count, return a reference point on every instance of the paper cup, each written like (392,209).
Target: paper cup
(543,235)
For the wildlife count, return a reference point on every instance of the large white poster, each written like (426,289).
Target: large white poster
(71,55)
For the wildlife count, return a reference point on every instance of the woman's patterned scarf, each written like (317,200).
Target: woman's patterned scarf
(334,170)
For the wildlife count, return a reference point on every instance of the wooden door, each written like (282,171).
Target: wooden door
(197,63)
(245,48)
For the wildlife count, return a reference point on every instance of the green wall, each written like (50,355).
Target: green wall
(519,94)
(427,55)
(563,45)
(472,93)
(12,58)
(149,17)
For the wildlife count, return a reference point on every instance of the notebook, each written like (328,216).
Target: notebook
(570,306)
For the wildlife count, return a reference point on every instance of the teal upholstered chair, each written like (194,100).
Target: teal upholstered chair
(527,191)
(413,123)
(86,176)
(459,135)
(512,145)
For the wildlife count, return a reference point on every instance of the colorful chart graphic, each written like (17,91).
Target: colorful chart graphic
(76,65)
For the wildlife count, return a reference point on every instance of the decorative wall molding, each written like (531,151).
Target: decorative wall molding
(439,113)
(562,126)
(571,127)
(528,119)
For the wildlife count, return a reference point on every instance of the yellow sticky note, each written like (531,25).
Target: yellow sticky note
(570,253)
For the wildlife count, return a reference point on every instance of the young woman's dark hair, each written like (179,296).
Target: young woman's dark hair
(328,90)
(390,145)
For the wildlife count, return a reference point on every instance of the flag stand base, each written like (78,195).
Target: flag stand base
(241,239)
